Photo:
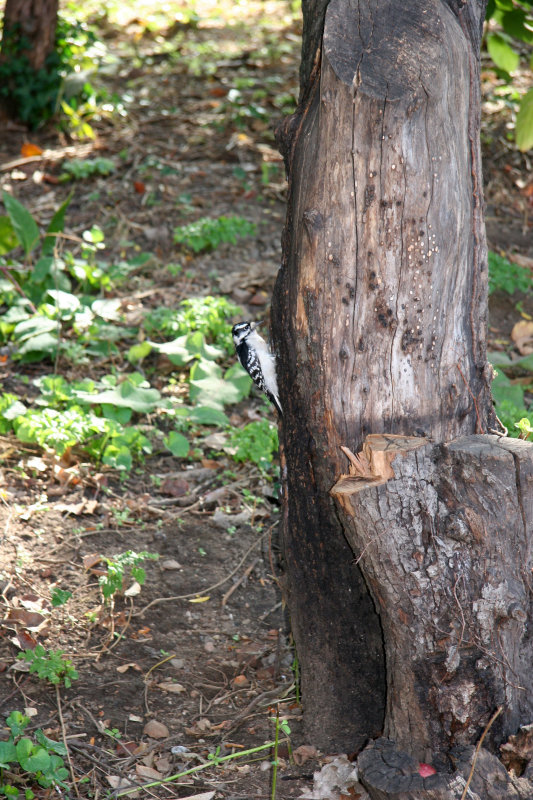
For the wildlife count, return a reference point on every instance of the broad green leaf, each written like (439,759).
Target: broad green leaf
(118,457)
(107,309)
(65,302)
(176,351)
(139,351)
(502,53)
(8,237)
(24,747)
(196,344)
(503,360)
(118,413)
(203,415)
(207,387)
(7,753)
(514,24)
(16,409)
(57,225)
(177,444)
(17,722)
(23,223)
(35,325)
(524,123)
(37,760)
(125,395)
(240,379)
(42,343)
(503,389)
(42,268)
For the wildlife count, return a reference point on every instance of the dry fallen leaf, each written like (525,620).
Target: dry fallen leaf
(125,667)
(133,590)
(91,560)
(30,619)
(156,730)
(28,149)
(170,563)
(116,782)
(522,336)
(147,772)
(173,688)
(304,753)
(201,796)
(240,680)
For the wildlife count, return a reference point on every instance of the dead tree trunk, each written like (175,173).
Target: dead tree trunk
(30,83)
(29,27)
(379,321)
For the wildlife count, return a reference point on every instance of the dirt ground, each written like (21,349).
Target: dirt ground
(203,648)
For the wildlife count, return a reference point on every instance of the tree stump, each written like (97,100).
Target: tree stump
(379,322)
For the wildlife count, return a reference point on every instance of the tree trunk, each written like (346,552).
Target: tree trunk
(379,321)
(29,28)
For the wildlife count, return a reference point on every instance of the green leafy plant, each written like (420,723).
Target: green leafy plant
(25,761)
(60,597)
(509,399)
(514,19)
(80,169)
(34,95)
(525,427)
(508,277)
(50,665)
(256,442)
(207,233)
(119,566)
(208,315)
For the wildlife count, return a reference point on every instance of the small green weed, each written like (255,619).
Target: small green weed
(209,315)
(60,597)
(508,277)
(25,761)
(207,233)
(280,725)
(50,665)
(256,442)
(119,566)
(525,427)
(80,169)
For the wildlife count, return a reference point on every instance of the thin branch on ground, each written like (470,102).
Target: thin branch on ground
(65,742)
(478,748)
(205,590)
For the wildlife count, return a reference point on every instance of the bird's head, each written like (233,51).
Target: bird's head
(241,330)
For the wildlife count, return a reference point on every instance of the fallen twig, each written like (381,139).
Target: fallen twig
(478,748)
(204,590)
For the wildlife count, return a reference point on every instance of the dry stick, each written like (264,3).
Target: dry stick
(478,748)
(245,574)
(204,591)
(64,737)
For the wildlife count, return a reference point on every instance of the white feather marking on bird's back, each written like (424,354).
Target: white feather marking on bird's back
(268,361)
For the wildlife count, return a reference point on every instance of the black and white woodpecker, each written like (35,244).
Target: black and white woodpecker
(257,360)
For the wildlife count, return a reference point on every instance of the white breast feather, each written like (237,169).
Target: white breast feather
(268,361)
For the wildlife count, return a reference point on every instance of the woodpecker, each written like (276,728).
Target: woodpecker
(257,360)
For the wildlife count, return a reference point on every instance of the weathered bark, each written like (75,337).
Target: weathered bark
(379,321)
(454,594)
(35,22)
